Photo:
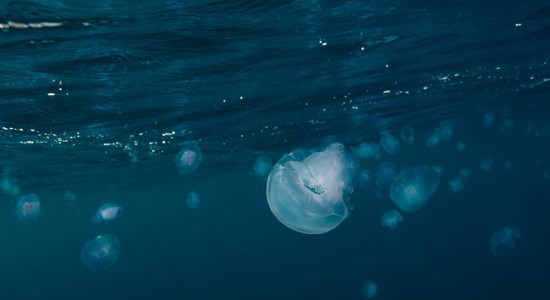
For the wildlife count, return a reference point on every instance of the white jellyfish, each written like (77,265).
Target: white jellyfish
(504,240)
(193,200)
(412,188)
(106,213)
(391,218)
(28,207)
(385,174)
(407,135)
(366,150)
(101,252)
(189,158)
(307,191)
(369,289)
(262,166)
(390,143)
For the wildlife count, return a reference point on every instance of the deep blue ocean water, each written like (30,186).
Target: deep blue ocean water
(98,97)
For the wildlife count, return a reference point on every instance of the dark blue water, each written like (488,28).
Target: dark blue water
(98,97)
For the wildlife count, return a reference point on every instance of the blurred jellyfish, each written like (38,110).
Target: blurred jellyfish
(464,172)
(488,119)
(390,219)
(460,146)
(70,197)
(189,158)
(101,252)
(262,166)
(438,169)
(433,139)
(193,200)
(407,135)
(307,191)
(412,188)
(363,177)
(486,164)
(456,184)
(547,173)
(385,174)
(504,240)
(7,186)
(390,143)
(106,213)
(509,165)
(28,207)
(446,131)
(369,289)
(366,150)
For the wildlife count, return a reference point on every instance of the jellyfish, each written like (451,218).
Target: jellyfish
(407,135)
(262,166)
(460,146)
(390,219)
(364,177)
(438,169)
(433,139)
(390,143)
(456,184)
(504,240)
(193,200)
(106,213)
(369,289)
(7,186)
(189,158)
(70,197)
(385,174)
(101,252)
(488,119)
(307,191)
(486,164)
(28,207)
(446,131)
(412,188)
(366,150)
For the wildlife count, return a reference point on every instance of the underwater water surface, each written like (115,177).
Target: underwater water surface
(301,149)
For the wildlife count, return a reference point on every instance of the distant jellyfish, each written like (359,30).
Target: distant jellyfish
(486,164)
(7,186)
(547,173)
(189,158)
(488,119)
(407,135)
(433,140)
(412,188)
(460,146)
(390,219)
(438,169)
(101,252)
(28,207)
(390,143)
(107,212)
(385,174)
(262,166)
(509,165)
(364,177)
(446,131)
(369,289)
(366,150)
(307,191)
(504,240)
(70,198)
(193,200)
(464,172)
(456,184)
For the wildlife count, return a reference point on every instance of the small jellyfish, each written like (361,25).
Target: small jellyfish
(366,150)
(369,289)
(464,172)
(364,177)
(70,197)
(189,158)
(412,188)
(101,252)
(446,131)
(390,219)
(307,191)
(486,164)
(488,119)
(107,212)
(28,207)
(390,143)
(460,146)
(262,166)
(385,174)
(509,165)
(456,184)
(7,186)
(433,140)
(407,135)
(438,169)
(504,240)
(193,200)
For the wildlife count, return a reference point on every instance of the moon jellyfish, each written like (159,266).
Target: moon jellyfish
(446,131)
(412,188)
(456,184)
(28,207)
(262,166)
(369,289)
(364,177)
(307,191)
(101,252)
(193,200)
(70,197)
(188,159)
(486,164)
(460,146)
(438,169)
(504,240)
(385,174)
(407,135)
(7,186)
(107,212)
(390,143)
(390,219)
(433,139)
(366,150)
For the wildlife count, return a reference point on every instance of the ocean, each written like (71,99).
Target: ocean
(172,149)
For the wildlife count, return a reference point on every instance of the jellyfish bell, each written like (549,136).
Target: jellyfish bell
(189,158)
(366,150)
(504,240)
(391,219)
(28,207)
(390,143)
(307,191)
(100,252)
(107,212)
(262,166)
(412,188)
(193,200)
(369,289)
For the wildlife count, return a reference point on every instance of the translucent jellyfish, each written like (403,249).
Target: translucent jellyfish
(107,212)
(189,158)
(366,150)
(488,119)
(307,191)
(412,188)
(390,143)
(193,200)
(390,219)
(504,240)
(456,184)
(369,289)
(70,197)
(407,135)
(262,166)
(464,172)
(385,174)
(7,186)
(364,177)
(438,169)
(460,146)
(486,164)
(28,207)
(101,252)
(446,131)
(433,139)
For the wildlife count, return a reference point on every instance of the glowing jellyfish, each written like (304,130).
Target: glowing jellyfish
(390,143)
(385,174)
(364,177)
(369,289)
(412,188)
(28,207)
(107,212)
(390,219)
(307,191)
(366,150)
(193,200)
(407,135)
(101,252)
(486,164)
(456,184)
(262,166)
(504,240)
(189,158)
